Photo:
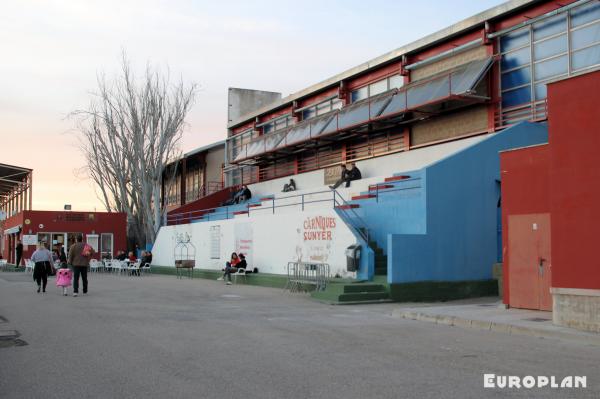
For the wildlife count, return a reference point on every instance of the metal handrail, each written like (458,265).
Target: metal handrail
(363,230)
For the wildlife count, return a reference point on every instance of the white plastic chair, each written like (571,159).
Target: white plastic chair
(134,267)
(94,265)
(241,273)
(107,265)
(29,265)
(116,266)
(146,268)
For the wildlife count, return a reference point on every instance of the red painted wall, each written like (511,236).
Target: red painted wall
(525,189)
(562,178)
(574,124)
(56,222)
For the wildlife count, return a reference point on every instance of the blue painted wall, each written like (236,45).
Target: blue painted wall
(461,196)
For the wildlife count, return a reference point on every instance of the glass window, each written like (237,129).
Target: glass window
(309,113)
(550,47)
(323,108)
(378,87)
(584,14)
(549,27)
(516,59)
(516,97)
(359,94)
(268,128)
(106,245)
(585,36)
(586,57)
(336,103)
(396,81)
(516,78)
(513,40)
(541,91)
(550,68)
(281,123)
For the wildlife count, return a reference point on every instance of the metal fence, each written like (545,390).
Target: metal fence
(302,275)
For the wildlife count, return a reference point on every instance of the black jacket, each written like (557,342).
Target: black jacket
(242,265)
(353,174)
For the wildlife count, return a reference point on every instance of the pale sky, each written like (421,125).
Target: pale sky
(51,51)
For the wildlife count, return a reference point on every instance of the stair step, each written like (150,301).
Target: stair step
(363,196)
(396,178)
(266,199)
(359,288)
(349,206)
(380,187)
(254,205)
(363,296)
(240,212)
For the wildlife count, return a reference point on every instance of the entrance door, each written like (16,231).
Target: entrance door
(529,261)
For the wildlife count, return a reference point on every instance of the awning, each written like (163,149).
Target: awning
(440,93)
(13,230)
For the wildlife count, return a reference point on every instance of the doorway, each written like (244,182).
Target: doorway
(529,261)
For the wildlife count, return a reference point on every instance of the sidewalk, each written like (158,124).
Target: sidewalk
(490,314)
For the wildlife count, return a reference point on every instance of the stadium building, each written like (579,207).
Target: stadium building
(425,124)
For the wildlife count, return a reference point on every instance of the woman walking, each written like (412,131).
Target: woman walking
(43,263)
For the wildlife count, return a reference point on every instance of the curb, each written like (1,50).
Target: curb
(504,328)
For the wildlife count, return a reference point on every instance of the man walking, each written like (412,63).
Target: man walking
(19,250)
(79,257)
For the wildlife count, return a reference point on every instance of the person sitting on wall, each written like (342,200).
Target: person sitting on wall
(230,267)
(244,195)
(291,186)
(347,176)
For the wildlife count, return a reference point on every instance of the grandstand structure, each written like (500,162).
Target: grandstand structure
(425,124)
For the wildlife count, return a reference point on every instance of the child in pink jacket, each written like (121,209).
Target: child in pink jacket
(63,279)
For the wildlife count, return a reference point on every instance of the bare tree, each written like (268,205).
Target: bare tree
(128,134)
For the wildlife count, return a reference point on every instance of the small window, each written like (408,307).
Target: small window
(323,108)
(359,94)
(584,14)
(309,113)
(378,87)
(396,81)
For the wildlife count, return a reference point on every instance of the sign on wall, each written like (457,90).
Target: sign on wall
(244,240)
(315,239)
(29,239)
(332,174)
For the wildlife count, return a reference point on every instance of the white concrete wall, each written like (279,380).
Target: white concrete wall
(373,170)
(270,241)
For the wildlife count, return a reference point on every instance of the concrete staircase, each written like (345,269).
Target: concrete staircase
(347,292)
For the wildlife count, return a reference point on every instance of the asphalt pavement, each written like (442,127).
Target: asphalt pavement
(160,337)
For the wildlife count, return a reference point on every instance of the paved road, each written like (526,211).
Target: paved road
(159,337)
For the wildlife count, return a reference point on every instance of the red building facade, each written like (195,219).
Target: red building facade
(104,231)
(554,188)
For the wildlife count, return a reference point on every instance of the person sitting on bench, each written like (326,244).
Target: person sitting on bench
(291,186)
(230,267)
(347,176)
